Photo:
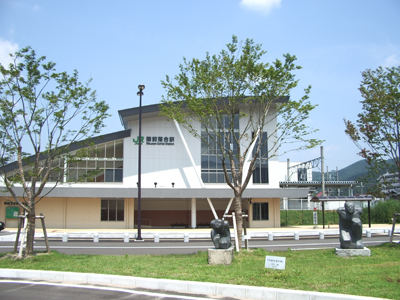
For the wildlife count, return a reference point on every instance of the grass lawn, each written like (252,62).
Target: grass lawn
(312,270)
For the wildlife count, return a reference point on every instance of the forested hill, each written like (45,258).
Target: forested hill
(353,172)
(356,172)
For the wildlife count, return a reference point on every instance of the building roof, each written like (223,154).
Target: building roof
(153,110)
(78,145)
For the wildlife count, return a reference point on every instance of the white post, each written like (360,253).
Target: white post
(212,208)
(126,237)
(236,235)
(156,238)
(228,207)
(96,237)
(186,238)
(65,237)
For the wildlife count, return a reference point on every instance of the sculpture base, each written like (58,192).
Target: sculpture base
(220,256)
(352,252)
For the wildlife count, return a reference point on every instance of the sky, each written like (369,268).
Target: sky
(121,44)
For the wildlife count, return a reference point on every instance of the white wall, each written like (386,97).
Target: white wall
(165,164)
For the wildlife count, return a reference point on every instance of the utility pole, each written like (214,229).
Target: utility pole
(322,171)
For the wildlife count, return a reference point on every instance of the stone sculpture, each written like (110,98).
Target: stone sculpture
(350,227)
(220,234)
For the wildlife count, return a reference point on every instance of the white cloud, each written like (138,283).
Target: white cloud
(263,6)
(391,61)
(7,47)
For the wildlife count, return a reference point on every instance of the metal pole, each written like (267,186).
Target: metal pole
(288,166)
(369,213)
(139,214)
(322,171)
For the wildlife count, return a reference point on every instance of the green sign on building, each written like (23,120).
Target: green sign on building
(12,212)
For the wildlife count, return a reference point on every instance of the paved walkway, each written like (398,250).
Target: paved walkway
(200,230)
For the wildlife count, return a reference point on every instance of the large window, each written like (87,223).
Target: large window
(211,163)
(112,210)
(260,211)
(260,174)
(103,164)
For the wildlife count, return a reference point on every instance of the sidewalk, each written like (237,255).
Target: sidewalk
(187,234)
(202,230)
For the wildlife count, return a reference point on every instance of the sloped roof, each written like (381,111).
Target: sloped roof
(78,145)
(130,114)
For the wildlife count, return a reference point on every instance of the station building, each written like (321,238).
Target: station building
(182,182)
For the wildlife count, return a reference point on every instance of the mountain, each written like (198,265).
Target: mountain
(353,172)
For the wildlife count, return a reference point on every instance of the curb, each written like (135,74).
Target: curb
(193,287)
(197,235)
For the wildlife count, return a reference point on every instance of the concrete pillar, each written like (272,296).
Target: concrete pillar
(193,213)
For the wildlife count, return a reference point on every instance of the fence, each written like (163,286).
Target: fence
(300,211)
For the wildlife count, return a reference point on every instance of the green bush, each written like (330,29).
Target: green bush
(305,217)
(382,212)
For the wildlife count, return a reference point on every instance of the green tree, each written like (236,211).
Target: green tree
(235,87)
(377,132)
(42,113)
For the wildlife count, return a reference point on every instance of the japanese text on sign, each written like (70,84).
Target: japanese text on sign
(275,262)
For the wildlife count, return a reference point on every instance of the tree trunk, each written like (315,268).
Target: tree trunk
(239,218)
(30,231)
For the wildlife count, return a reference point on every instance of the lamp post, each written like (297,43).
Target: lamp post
(139,214)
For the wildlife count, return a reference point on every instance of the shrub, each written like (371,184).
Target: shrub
(382,212)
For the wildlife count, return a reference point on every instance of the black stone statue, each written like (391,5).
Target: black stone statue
(350,227)
(220,234)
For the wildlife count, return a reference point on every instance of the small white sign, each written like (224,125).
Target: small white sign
(275,262)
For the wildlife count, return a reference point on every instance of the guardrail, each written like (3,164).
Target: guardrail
(187,236)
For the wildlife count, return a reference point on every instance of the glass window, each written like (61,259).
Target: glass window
(112,210)
(119,149)
(211,165)
(260,174)
(110,150)
(118,175)
(109,175)
(108,164)
(260,211)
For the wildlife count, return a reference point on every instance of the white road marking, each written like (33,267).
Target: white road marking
(154,294)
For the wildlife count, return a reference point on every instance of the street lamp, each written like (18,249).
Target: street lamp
(139,214)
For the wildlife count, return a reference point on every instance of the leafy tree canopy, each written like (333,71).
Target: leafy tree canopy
(377,131)
(210,97)
(42,112)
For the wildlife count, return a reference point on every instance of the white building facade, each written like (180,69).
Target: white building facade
(182,183)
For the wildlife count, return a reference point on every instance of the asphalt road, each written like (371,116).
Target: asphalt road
(118,247)
(31,290)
